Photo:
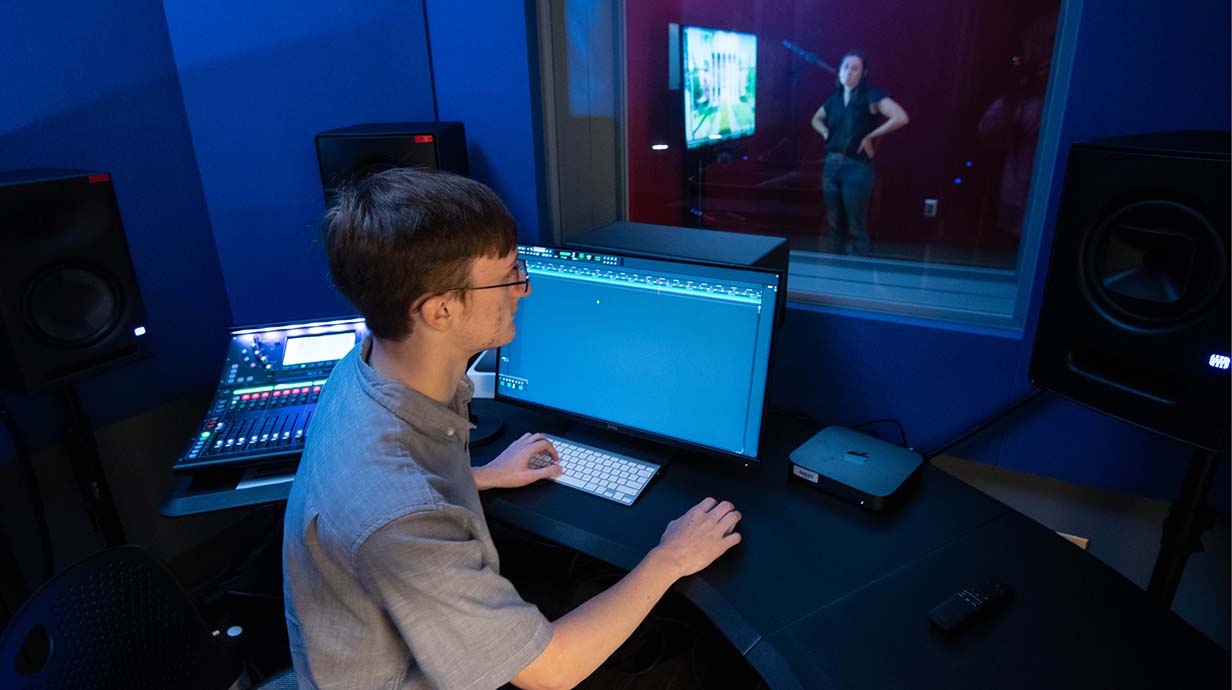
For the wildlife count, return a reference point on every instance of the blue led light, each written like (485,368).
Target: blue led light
(1219,361)
(139,331)
(968,164)
(957,180)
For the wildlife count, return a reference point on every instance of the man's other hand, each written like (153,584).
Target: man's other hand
(514,468)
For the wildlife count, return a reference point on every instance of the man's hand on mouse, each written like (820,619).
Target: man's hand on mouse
(697,538)
(519,464)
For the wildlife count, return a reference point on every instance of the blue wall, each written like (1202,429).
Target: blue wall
(94,85)
(482,62)
(259,81)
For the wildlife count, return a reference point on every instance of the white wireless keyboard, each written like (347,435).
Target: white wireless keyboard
(615,477)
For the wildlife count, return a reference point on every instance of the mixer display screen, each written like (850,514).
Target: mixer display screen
(317,348)
(268,391)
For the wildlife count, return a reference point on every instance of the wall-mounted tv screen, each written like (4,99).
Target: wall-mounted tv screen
(720,85)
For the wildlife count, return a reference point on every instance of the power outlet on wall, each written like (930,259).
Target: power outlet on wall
(930,208)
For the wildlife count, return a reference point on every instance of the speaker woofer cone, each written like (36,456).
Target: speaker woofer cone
(73,306)
(1153,264)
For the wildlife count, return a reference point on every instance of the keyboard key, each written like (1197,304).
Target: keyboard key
(571,481)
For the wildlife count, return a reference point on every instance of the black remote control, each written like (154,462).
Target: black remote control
(952,612)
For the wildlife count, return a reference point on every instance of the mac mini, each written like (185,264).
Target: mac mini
(854,466)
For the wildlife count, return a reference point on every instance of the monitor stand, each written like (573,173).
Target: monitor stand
(482,371)
(623,444)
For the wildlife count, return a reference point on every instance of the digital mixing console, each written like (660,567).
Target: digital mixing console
(268,391)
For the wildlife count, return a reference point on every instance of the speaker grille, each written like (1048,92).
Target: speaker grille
(73,306)
(1154,264)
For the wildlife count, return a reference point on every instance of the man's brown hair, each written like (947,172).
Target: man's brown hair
(404,234)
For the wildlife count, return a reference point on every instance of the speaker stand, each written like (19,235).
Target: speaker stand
(26,468)
(88,469)
(1188,518)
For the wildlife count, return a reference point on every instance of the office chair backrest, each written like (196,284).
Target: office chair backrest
(117,619)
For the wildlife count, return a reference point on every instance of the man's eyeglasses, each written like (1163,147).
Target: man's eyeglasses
(524,282)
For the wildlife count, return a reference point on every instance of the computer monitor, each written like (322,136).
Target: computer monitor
(720,85)
(670,350)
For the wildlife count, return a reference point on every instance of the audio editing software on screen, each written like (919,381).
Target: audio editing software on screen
(669,348)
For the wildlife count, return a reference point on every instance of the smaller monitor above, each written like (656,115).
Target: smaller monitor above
(720,85)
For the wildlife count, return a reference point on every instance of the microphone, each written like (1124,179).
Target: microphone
(810,58)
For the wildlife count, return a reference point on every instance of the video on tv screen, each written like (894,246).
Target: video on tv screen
(720,85)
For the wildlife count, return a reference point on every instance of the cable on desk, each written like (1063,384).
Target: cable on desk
(22,449)
(989,422)
(902,434)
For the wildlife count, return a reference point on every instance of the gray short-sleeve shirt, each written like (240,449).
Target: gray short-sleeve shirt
(390,575)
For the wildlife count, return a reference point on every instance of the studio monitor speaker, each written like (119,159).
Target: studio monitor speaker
(69,302)
(1134,320)
(347,154)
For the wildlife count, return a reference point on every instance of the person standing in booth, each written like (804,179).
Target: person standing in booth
(848,121)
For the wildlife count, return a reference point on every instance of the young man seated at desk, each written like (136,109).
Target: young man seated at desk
(390,573)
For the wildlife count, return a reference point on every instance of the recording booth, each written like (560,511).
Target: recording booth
(964,379)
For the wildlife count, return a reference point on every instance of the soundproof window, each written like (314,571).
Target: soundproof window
(905,149)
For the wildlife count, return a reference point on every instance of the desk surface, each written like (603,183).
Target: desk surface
(823,594)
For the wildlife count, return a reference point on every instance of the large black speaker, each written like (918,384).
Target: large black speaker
(69,302)
(350,153)
(1135,314)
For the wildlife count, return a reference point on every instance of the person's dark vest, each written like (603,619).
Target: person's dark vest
(850,123)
